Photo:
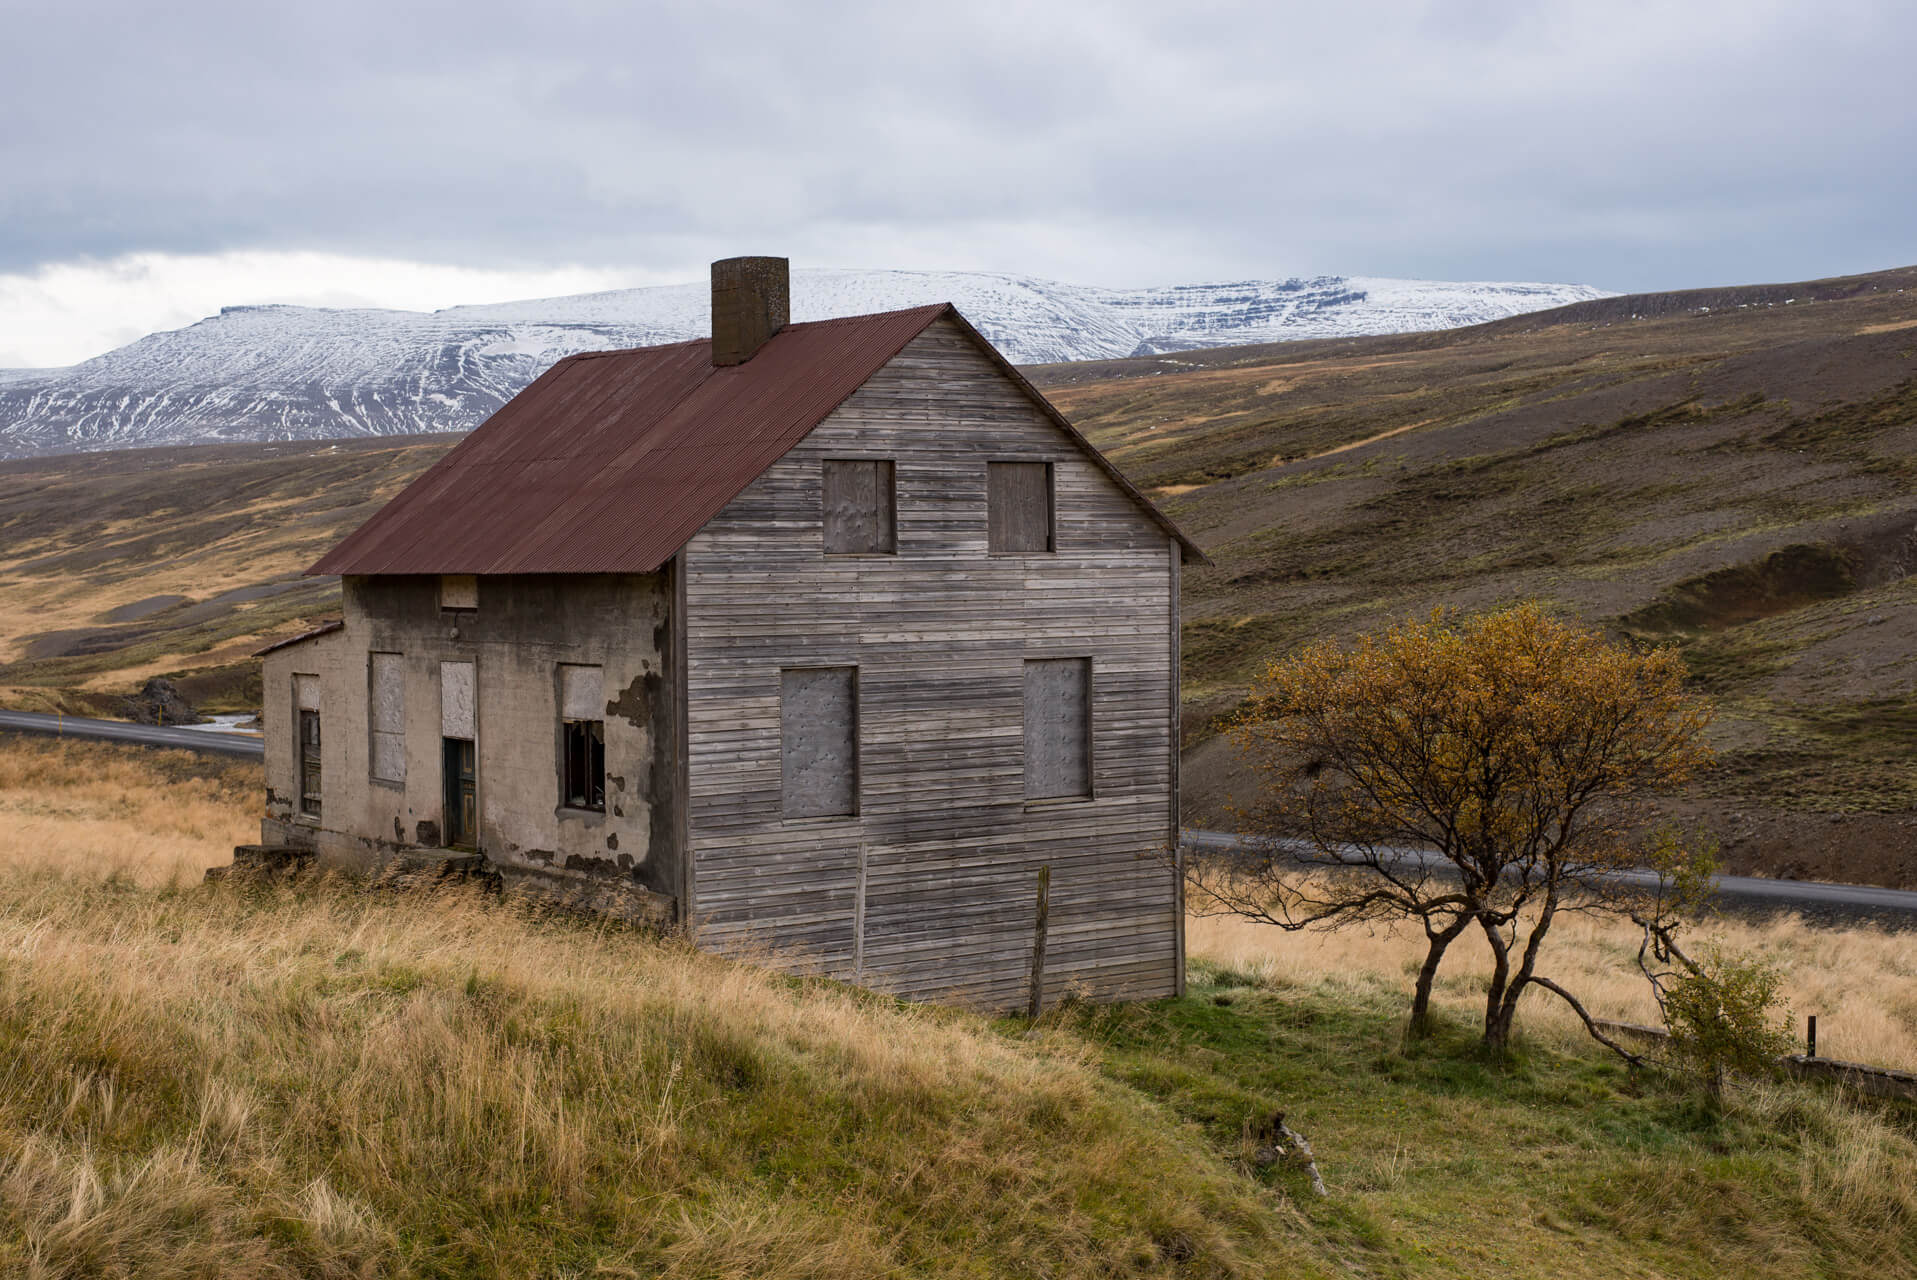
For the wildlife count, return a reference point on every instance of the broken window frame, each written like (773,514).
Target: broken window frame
(582,765)
(581,738)
(310,774)
(999,525)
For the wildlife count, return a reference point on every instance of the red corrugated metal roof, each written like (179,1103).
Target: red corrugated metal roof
(611,460)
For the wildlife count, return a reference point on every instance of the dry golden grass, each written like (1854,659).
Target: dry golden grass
(253,1081)
(1860,982)
(319,1081)
(333,1082)
(94,810)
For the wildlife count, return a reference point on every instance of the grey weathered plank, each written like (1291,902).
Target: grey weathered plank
(927,890)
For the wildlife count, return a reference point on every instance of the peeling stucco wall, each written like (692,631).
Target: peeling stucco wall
(517,642)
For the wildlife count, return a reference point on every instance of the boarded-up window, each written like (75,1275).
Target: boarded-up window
(819,742)
(860,508)
(1019,505)
(582,738)
(582,693)
(1058,728)
(456,694)
(386,716)
(458,591)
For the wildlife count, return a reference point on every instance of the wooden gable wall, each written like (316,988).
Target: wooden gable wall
(929,889)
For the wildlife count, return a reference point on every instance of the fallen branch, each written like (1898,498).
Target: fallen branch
(1304,1149)
(1636,1060)
(1282,1135)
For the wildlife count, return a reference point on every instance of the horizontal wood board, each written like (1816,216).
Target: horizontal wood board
(940,633)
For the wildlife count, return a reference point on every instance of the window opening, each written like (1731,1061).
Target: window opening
(582,737)
(860,505)
(1019,513)
(819,742)
(585,764)
(310,763)
(1058,728)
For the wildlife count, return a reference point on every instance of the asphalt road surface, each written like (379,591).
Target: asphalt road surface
(1828,903)
(1835,904)
(145,735)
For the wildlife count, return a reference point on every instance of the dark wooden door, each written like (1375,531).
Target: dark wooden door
(462,812)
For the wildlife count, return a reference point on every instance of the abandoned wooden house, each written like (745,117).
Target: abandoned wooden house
(820,639)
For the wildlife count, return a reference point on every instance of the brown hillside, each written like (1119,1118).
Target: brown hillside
(1734,471)
(1731,470)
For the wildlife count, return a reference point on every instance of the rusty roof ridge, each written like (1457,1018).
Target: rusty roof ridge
(613,468)
(798,324)
(626,351)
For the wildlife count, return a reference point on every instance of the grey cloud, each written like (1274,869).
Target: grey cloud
(1631,146)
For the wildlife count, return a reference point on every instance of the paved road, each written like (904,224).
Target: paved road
(1832,903)
(1746,895)
(146,735)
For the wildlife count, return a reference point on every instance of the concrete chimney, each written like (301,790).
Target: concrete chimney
(751,301)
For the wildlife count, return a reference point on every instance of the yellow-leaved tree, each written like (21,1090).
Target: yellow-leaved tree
(1482,773)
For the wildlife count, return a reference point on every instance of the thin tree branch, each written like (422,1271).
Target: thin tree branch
(1636,1060)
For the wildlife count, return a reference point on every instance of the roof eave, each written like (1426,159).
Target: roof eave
(324,629)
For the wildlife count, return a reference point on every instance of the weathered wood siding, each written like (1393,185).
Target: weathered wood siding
(943,852)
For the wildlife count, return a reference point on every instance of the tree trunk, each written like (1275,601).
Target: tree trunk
(1497,1025)
(1428,973)
(1506,1008)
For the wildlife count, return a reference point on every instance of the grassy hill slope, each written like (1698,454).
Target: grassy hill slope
(322,1081)
(1731,470)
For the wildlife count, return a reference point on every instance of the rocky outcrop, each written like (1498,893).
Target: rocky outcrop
(159,702)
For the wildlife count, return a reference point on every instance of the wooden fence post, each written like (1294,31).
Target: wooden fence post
(858,921)
(1038,941)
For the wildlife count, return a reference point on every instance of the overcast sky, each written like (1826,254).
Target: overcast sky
(158,161)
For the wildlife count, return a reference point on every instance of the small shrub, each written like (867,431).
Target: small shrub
(1726,1016)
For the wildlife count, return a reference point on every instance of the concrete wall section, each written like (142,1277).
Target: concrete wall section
(496,674)
(293,676)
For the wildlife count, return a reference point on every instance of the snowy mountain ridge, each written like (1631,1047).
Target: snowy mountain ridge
(289,372)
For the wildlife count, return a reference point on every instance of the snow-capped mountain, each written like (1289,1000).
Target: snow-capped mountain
(283,372)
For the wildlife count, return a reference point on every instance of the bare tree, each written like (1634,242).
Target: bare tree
(1483,773)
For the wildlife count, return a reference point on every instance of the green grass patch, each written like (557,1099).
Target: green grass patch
(1553,1162)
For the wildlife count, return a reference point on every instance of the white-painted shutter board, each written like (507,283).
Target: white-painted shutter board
(582,693)
(456,716)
